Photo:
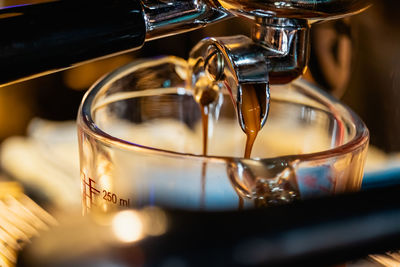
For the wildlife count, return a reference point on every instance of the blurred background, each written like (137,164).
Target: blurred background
(356,59)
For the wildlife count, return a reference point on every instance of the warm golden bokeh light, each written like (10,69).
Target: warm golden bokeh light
(127,226)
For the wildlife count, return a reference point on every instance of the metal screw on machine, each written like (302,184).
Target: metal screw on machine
(214,64)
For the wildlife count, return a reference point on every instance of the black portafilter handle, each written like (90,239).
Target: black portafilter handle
(54,35)
(316,232)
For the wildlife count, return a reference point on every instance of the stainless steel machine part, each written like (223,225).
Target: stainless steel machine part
(41,38)
(278,53)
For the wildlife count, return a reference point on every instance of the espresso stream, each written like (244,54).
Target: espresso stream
(204,119)
(251,116)
(250,112)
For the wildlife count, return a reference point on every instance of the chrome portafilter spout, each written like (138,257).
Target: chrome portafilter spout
(277,53)
(228,63)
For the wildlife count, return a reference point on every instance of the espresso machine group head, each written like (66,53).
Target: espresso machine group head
(44,37)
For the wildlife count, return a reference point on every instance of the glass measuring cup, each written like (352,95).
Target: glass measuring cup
(140,140)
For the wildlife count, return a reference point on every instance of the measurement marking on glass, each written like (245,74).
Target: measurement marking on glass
(90,192)
(112,197)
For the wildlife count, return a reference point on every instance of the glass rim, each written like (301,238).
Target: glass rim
(359,140)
